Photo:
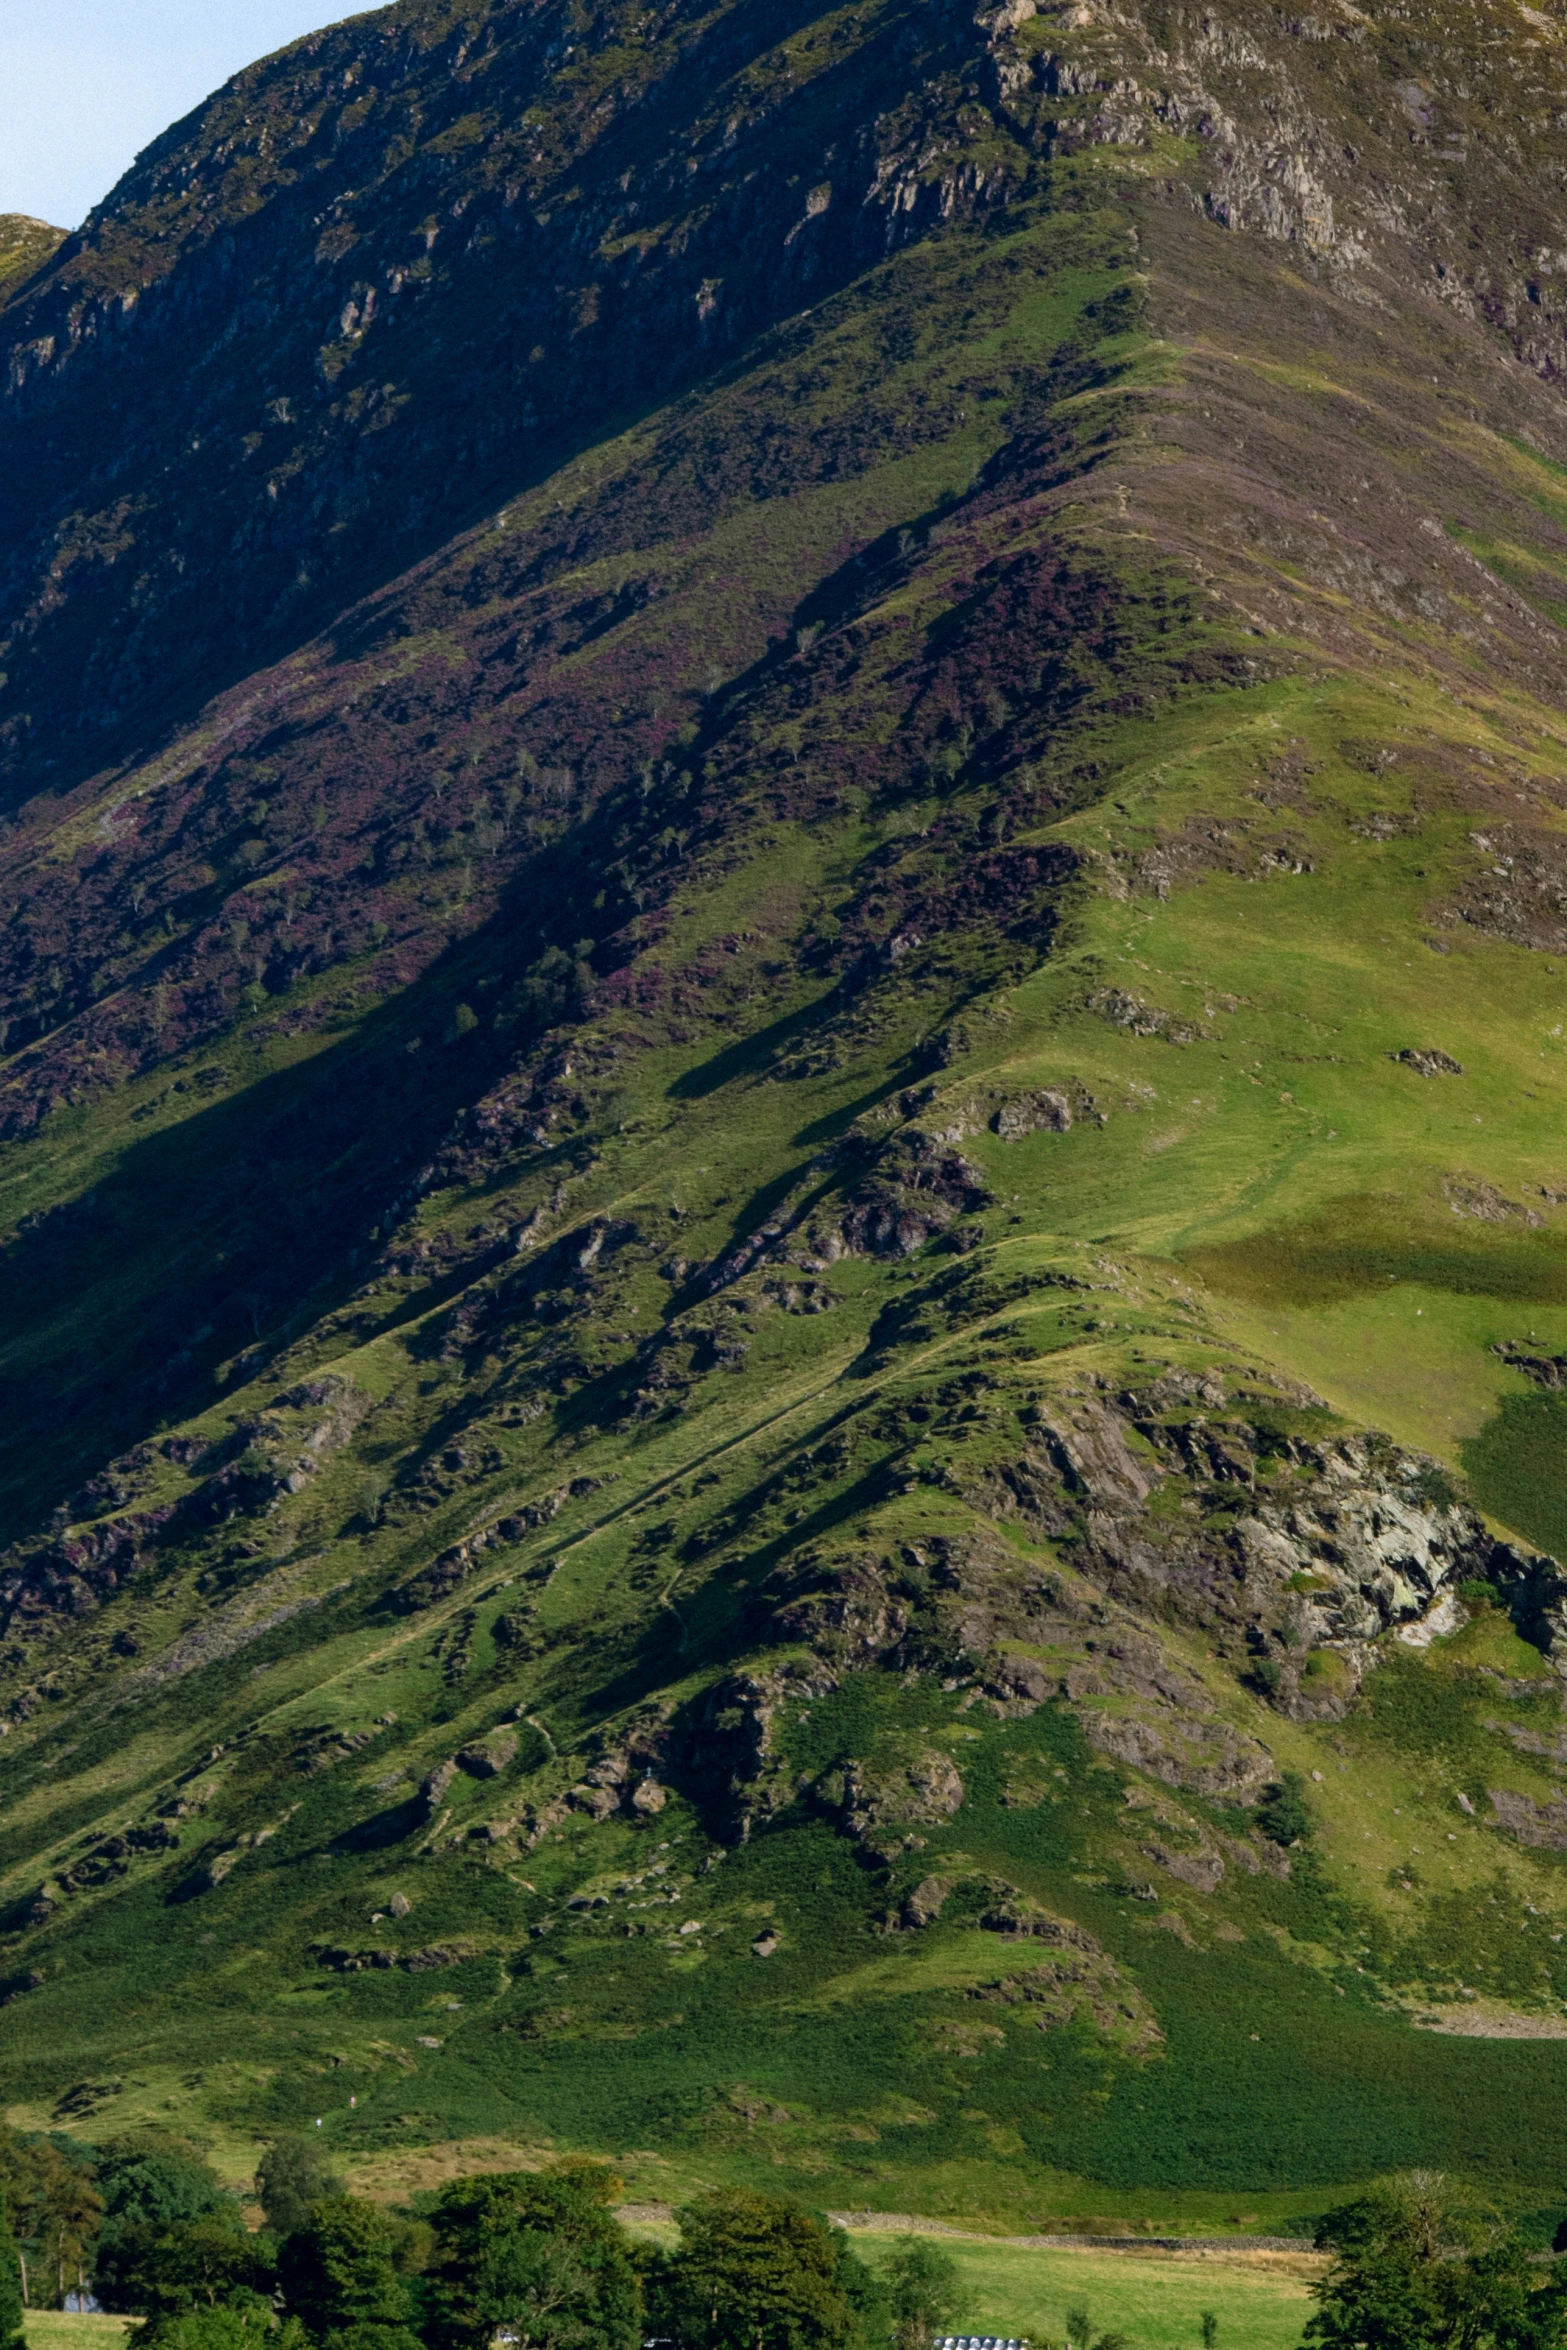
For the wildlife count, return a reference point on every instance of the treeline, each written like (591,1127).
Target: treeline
(532,2260)
(538,2260)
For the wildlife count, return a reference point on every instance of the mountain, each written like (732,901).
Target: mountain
(784,1290)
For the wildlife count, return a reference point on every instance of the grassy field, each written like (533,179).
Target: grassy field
(1261,2300)
(58,2329)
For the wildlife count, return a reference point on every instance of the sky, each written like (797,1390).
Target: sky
(86,84)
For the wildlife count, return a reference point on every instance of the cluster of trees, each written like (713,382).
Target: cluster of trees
(1418,2265)
(532,2260)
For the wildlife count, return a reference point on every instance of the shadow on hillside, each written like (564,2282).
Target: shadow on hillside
(211,1237)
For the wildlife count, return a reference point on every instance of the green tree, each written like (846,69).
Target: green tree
(227,2326)
(339,2278)
(165,2270)
(1418,2267)
(754,2272)
(145,2181)
(924,2286)
(55,2210)
(12,2301)
(537,2257)
(1208,2326)
(293,2174)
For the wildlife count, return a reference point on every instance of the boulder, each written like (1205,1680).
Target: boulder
(923,1906)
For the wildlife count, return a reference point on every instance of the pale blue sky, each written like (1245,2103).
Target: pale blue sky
(86,84)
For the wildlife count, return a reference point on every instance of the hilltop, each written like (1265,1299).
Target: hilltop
(25,245)
(784,1294)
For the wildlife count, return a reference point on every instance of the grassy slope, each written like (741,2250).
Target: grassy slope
(25,245)
(1260,2302)
(1267,1193)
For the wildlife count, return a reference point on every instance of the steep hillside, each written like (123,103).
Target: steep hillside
(785,1291)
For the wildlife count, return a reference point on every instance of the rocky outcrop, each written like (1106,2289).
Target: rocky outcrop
(1543,1825)
(71,1575)
(724,1745)
(487,1758)
(1337,1541)
(1082,1987)
(885,1801)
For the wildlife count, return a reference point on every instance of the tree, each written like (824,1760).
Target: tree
(224,2327)
(55,2210)
(338,2278)
(159,2271)
(754,2272)
(1418,2267)
(12,2301)
(293,2174)
(536,2257)
(1208,2325)
(146,2181)
(924,2286)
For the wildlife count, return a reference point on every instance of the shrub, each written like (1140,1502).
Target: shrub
(1283,1814)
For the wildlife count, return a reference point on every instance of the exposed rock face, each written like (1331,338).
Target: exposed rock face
(726,1747)
(74,1574)
(1541,1824)
(1338,1541)
(1091,1446)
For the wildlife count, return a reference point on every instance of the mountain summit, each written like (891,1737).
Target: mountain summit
(784,1283)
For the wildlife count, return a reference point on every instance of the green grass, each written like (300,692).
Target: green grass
(1261,2303)
(58,2329)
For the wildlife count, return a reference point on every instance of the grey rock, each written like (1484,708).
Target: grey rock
(1033,1113)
